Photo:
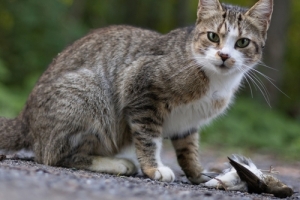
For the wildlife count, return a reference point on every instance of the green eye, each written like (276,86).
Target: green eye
(213,37)
(242,43)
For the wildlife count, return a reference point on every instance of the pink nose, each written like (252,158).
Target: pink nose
(223,56)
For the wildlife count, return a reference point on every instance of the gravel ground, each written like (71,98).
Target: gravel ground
(23,179)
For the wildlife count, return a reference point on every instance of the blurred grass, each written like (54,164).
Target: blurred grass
(12,99)
(254,127)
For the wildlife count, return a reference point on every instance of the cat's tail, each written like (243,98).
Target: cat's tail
(13,135)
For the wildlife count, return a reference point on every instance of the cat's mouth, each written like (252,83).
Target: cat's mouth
(223,66)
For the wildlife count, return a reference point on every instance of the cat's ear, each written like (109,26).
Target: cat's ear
(261,12)
(207,8)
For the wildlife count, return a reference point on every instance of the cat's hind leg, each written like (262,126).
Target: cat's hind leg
(110,165)
(86,152)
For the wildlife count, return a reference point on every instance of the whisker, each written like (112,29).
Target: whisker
(250,78)
(264,65)
(262,74)
(260,82)
(256,81)
(270,80)
(246,78)
(261,87)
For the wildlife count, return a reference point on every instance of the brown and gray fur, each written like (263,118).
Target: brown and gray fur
(121,85)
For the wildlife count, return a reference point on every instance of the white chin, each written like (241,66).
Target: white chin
(223,69)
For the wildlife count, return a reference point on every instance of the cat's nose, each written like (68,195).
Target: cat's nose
(223,56)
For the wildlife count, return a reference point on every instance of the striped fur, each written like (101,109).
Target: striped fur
(121,85)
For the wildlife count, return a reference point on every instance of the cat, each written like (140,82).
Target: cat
(122,86)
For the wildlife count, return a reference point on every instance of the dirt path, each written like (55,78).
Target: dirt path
(27,180)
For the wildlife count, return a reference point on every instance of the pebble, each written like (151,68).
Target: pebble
(208,194)
(2,157)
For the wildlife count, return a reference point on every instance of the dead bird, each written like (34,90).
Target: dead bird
(229,178)
(244,176)
(260,183)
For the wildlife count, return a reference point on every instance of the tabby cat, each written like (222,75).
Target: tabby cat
(123,86)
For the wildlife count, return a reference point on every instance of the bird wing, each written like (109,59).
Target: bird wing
(255,184)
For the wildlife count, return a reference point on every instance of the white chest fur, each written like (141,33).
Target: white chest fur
(202,111)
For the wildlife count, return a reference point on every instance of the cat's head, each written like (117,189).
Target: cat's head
(229,39)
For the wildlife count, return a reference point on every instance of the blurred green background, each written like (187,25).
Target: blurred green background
(33,32)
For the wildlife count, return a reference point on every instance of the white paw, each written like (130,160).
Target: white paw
(164,174)
(116,166)
(126,167)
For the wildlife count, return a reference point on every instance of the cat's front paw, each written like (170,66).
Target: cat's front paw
(162,173)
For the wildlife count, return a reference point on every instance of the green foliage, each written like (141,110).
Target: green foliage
(12,99)
(250,125)
(292,68)
(31,34)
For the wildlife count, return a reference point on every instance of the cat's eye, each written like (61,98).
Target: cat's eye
(242,43)
(213,37)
